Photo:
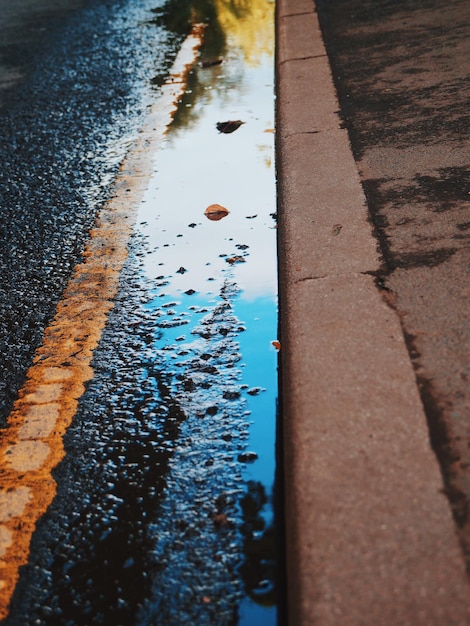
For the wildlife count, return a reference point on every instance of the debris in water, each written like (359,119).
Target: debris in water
(251,217)
(276,344)
(220,519)
(336,229)
(211,62)
(247,457)
(231,395)
(216,212)
(190,292)
(229,127)
(182,270)
(235,259)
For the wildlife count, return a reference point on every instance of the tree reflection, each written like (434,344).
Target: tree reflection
(249,24)
(260,545)
(179,15)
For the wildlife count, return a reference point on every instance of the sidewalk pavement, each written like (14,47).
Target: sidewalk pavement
(370,536)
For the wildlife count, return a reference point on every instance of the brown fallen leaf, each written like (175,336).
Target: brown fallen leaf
(235,259)
(276,344)
(216,212)
(228,127)
(211,62)
(220,519)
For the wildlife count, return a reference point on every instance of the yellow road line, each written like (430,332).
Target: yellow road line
(31,443)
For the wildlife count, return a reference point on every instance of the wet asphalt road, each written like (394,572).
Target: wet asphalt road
(110,549)
(71,97)
(71,77)
(402,70)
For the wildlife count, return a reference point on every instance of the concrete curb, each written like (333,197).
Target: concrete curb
(370,537)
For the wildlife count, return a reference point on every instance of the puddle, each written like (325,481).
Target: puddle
(209,225)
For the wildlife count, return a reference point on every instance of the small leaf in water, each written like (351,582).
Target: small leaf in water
(336,229)
(229,127)
(211,62)
(276,344)
(235,259)
(216,212)
(220,519)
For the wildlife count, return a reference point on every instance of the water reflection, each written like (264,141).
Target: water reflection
(250,25)
(214,301)
(259,546)
(203,167)
(247,24)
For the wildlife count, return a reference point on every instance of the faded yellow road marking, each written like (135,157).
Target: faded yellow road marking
(31,443)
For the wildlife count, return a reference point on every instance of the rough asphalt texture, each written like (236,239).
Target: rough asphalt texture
(70,93)
(374,309)
(114,547)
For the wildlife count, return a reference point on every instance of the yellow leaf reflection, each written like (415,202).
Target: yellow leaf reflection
(249,23)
